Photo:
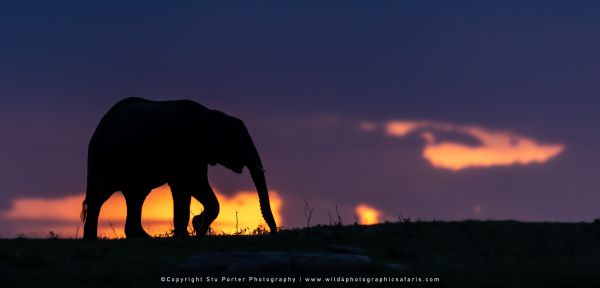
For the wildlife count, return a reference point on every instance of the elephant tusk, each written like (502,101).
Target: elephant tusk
(261,169)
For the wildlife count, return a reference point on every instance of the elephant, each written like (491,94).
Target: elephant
(141,144)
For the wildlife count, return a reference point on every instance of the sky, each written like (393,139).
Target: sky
(464,110)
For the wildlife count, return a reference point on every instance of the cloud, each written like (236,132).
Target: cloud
(495,148)
(367,215)
(38,215)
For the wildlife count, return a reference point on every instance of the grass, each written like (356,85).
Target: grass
(461,254)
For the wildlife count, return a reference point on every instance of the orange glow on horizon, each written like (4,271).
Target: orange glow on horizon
(495,148)
(48,209)
(367,215)
(157,213)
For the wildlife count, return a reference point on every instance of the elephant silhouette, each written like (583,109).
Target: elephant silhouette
(140,145)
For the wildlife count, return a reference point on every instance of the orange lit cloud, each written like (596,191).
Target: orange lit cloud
(402,128)
(367,215)
(157,213)
(496,148)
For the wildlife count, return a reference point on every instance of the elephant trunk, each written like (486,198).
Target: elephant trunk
(258,176)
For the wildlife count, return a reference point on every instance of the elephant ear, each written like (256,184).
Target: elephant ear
(225,141)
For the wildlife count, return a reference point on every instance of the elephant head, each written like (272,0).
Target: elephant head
(230,144)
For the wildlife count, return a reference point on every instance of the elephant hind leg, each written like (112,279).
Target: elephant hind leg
(181,209)
(94,199)
(90,226)
(134,199)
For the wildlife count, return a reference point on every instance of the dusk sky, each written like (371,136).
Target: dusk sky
(471,110)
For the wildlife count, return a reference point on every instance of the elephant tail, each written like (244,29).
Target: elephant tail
(84,208)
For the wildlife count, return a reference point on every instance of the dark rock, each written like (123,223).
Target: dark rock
(344,250)
(275,263)
(393,267)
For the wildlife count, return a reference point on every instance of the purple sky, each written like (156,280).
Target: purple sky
(304,77)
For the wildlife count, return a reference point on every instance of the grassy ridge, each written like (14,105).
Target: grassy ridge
(461,254)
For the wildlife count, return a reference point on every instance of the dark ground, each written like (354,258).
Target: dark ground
(461,254)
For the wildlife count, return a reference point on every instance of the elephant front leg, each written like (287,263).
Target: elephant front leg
(181,212)
(208,199)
